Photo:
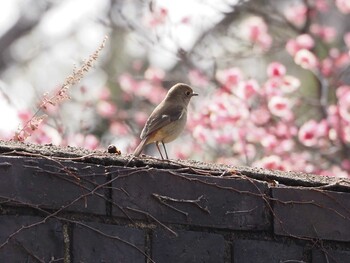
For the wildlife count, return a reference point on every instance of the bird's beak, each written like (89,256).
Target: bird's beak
(194,94)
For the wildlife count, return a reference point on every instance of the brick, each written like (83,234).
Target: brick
(188,246)
(327,256)
(92,246)
(312,213)
(44,182)
(252,251)
(44,241)
(232,203)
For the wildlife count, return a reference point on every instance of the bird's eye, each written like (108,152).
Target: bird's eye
(188,93)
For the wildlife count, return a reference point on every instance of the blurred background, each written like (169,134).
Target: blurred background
(223,48)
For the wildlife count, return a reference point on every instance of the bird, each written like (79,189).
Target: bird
(167,120)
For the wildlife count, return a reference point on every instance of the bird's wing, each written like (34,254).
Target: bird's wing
(160,117)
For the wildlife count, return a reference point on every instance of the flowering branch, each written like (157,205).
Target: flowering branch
(60,96)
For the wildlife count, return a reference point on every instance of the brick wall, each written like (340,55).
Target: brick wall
(71,205)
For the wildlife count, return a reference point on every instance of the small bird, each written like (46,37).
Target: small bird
(167,120)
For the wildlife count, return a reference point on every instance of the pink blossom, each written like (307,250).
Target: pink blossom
(276,69)
(185,20)
(306,59)
(156,17)
(118,128)
(284,130)
(127,83)
(154,74)
(292,47)
(197,78)
(343,6)
(80,140)
(24,115)
(304,41)
(255,30)
(272,87)
(280,107)
(269,142)
(326,33)
(333,121)
(91,142)
(340,59)
(260,116)
(290,84)
(222,137)
(309,133)
(343,95)
(46,134)
(272,162)
(247,89)
(346,134)
(347,39)
(345,164)
(106,109)
(201,134)
(229,77)
(140,118)
(285,146)
(296,14)
(104,93)
(154,93)
(245,150)
(322,6)
(227,109)
(335,171)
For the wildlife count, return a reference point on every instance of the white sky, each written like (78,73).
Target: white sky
(81,18)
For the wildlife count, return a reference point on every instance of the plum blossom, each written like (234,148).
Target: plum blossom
(322,6)
(106,109)
(247,89)
(154,74)
(280,107)
(272,162)
(326,33)
(118,128)
(197,78)
(290,84)
(304,41)
(201,134)
(343,94)
(306,59)
(227,109)
(229,77)
(311,132)
(88,141)
(269,142)
(334,171)
(255,30)
(104,94)
(347,39)
(147,89)
(343,6)
(296,14)
(157,17)
(346,134)
(260,116)
(276,69)
(127,83)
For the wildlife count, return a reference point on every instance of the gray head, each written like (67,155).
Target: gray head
(180,93)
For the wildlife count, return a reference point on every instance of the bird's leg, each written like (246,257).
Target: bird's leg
(166,154)
(161,155)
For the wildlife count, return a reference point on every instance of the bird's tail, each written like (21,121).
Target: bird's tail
(140,147)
